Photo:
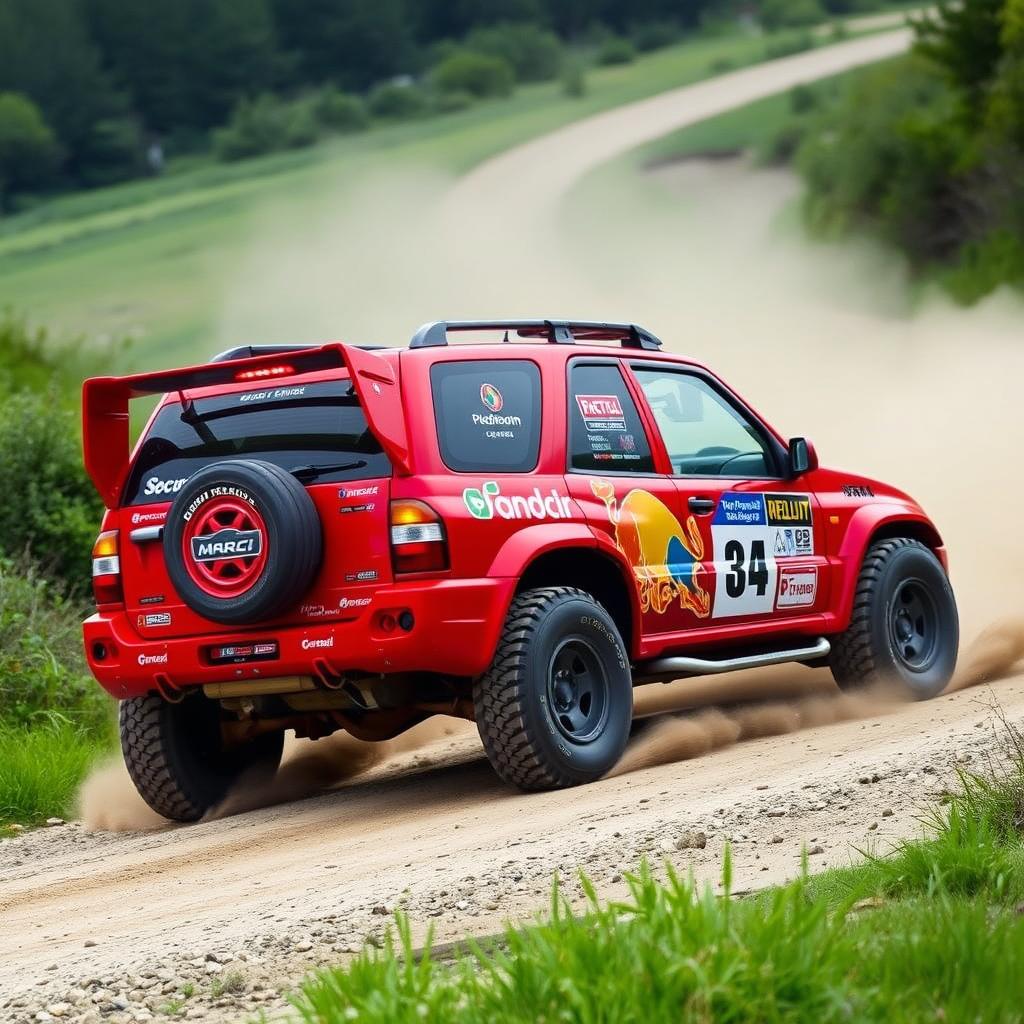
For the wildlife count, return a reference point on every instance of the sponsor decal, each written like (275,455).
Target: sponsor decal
(492,419)
(792,542)
(487,502)
(627,442)
(148,517)
(227,544)
(857,491)
(215,492)
(262,396)
(363,576)
(318,643)
(156,486)
(314,611)
(797,588)
(356,508)
(358,492)
(152,599)
(788,509)
(153,659)
(601,412)
(667,558)
(354,602)
(155,619)
(749,532)
(491,397)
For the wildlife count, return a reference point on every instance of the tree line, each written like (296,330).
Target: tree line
(927,151)
(89,88)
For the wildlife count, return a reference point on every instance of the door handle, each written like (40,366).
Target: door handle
(702,506)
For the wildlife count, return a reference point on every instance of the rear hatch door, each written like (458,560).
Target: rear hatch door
(316,427)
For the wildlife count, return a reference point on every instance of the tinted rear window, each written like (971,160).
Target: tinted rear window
(488,415)
(305,425)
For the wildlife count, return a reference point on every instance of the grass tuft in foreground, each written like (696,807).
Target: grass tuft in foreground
(932,932)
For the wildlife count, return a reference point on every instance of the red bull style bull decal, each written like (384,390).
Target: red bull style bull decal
(667,560)
(749,533)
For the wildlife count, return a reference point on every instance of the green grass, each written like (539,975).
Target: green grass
(930,933)
(745,128)
(42,766)
(153,259)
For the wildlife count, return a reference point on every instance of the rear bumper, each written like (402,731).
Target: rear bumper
(455,630)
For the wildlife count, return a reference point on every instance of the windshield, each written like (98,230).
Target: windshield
(317,429)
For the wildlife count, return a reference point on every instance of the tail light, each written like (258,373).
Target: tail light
(418,543)
(106,569)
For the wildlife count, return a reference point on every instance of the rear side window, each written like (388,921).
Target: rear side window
(487,414)
(317,427)
(606,434)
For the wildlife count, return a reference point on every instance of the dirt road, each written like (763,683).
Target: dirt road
(120,925)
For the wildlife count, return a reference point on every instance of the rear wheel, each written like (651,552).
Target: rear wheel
(177,758)
(554,709)
(904,631)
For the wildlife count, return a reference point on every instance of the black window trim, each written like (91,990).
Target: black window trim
(570,365)
(503,358)
(773,447)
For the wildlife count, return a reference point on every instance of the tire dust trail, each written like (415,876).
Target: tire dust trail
(820,336)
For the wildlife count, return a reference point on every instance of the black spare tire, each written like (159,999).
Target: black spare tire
(242,541)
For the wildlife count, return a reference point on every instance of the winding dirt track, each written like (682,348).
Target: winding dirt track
(432,827)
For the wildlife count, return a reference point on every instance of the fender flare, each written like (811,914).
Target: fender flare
(863,527)
(529,545)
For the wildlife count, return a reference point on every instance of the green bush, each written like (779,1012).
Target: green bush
(267,124)
(655,35)
(42,666)
(478,74)
(574,78)
(50,510)
(788,44)
(453,102)
(776,14)
(534,53)
(396,102)
(616,50)
(341,111)
(29,153)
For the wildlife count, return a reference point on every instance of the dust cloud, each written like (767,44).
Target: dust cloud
(108,800)
(825,339)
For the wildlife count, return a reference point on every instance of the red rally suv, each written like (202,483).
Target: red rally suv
(514,533)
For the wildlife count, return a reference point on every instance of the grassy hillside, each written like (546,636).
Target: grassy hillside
(150,259)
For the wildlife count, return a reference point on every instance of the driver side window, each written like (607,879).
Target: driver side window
(704,434)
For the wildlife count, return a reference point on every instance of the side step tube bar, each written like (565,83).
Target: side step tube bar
(676,667)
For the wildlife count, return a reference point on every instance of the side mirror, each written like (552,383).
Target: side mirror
(802,456)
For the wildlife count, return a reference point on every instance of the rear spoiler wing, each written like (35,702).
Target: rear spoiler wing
(105,402)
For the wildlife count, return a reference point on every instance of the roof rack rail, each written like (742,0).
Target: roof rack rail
(248,351)
(557,332)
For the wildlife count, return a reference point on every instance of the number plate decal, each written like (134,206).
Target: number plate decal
(750,533)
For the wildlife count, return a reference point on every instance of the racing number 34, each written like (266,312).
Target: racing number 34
(743,572)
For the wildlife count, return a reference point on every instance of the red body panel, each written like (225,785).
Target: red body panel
(670,559)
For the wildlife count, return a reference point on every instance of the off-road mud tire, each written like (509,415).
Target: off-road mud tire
(868,653)
(515,714)
(176,757)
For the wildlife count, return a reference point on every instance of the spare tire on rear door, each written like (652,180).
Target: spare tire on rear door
(242,541)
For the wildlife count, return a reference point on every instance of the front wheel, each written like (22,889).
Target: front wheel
(904,632)
(177,758)
(554,709)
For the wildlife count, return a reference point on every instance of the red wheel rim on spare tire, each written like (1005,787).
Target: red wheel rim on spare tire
(224,547)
